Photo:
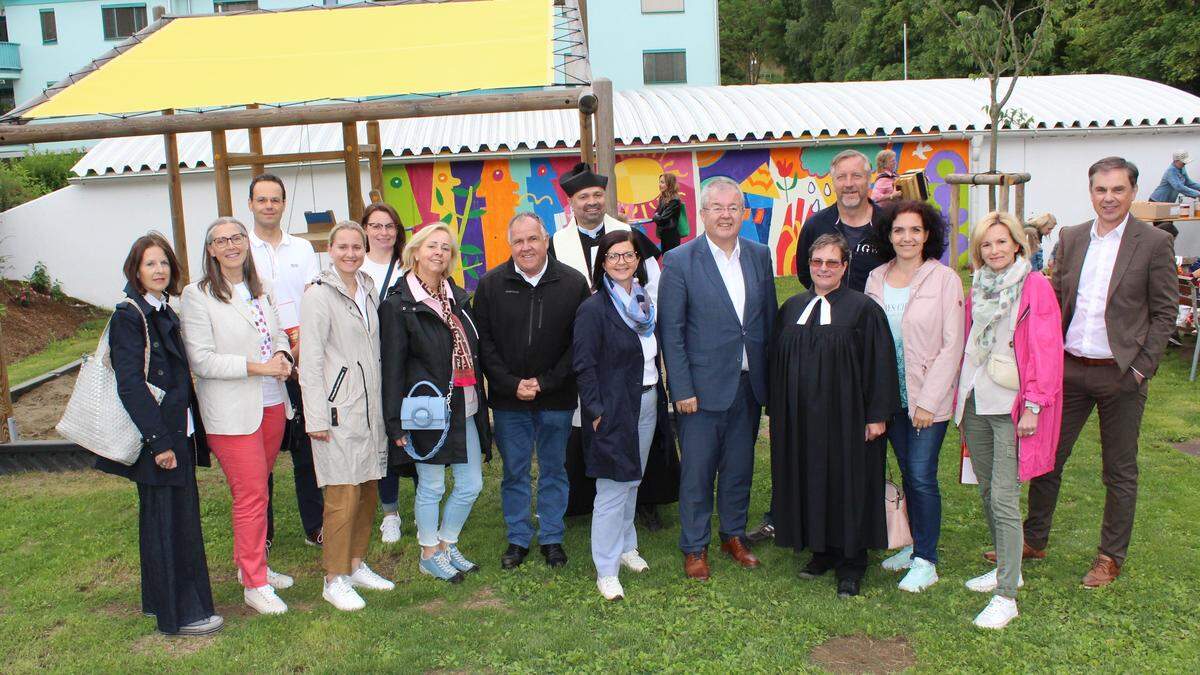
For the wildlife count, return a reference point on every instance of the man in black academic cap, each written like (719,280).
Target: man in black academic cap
(575,246)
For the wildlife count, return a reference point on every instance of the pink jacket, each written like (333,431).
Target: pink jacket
(933,337)
(885,186)
(1038,345)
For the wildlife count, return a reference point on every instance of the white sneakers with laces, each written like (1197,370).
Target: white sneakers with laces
(263,600)
(390,528)
(610,588)
(365,577)
(342,595)
(277,580)
(634,561)
(987,583)
(998,613)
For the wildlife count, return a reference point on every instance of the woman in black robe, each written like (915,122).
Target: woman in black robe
(833,386)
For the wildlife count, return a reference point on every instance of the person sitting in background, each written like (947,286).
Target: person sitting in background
(240,357)
(339,378)
(175,586)
(885,178)
(1175,181)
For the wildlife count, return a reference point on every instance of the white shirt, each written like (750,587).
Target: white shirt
(377,271)
(360,299)
(730,268)
(1087,336)
(272,389)
(157,304)
(649,359)
(289,267)
(533,280)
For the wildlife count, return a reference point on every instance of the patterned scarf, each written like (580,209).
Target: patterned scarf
(464,370)
(635,308)
(993,296)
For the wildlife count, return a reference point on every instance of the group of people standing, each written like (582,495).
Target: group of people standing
(587,339)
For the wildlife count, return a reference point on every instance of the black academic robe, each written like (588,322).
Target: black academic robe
(827,383)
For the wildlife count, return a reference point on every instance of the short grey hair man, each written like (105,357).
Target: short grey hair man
(717,184)
(523,216)
(847,154)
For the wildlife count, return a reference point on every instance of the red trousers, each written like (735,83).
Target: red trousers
(247,462)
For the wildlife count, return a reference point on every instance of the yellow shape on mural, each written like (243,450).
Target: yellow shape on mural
(500,194)
(761,183)
(637,180)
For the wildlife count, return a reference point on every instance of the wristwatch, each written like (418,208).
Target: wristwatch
(1033,407)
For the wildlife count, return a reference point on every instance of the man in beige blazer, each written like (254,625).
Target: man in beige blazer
(1115,280)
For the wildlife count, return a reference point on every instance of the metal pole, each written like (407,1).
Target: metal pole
(906,50)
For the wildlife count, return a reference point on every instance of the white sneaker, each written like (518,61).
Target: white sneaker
(998,613)
(634,561)
(987,583)
(390,528)
(263,600)
(921,575)
(610,588)
(901,561)
(365,577)
(277,580)
(342,595)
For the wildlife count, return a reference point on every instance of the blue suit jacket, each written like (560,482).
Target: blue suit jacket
(699,331)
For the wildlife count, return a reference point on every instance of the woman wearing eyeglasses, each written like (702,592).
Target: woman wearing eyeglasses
(833,388)
(385,246)
(240,357)
(621,395)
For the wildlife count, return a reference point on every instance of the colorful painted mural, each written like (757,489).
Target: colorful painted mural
(784,187)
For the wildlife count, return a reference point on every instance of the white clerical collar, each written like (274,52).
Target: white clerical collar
(593,233)
(153,301)
(533,279)
(826,312)
(1119,231)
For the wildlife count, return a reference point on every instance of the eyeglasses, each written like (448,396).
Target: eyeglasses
(379,227)
(628,256)
(232,240)
(817,263)
(721,210)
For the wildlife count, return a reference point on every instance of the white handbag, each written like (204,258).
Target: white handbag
(95,418)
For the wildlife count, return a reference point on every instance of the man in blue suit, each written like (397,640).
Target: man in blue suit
(716,307)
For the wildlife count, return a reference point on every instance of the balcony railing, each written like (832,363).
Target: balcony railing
(10,56)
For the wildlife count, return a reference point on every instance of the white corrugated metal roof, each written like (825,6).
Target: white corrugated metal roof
(684,114)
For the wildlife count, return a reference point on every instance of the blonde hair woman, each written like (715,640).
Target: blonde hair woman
(429,336)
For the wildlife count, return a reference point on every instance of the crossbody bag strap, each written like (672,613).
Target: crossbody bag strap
(383,292)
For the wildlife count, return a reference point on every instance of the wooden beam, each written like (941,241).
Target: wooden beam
(557,99)
(375,155)
(255,136)
(175,196)
(251,159)
(1019,205)
(606,154)
(6,408)
(354,197)
(587,152)
(221,174)
(1003,197)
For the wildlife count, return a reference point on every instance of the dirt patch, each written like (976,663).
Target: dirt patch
(485,598)
(156,644)
(28,329)
(239,610)
(39,410)
(435,607)
(862,654)
(1188,448)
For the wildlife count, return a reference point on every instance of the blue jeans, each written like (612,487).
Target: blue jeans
(518,433)
(613,532)
(917,453)
(431,485)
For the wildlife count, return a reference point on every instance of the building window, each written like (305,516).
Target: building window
(232,6)
(664,67)
(3,28)
(49,27)
(660,6)
(122,21)
(181,7)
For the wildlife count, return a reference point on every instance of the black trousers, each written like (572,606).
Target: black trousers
(304,475)
(852,566)
(175,585)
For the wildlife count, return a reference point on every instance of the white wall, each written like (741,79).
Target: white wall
(83,231)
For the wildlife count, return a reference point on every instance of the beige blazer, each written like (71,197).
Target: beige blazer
(1142,295)
(221,338)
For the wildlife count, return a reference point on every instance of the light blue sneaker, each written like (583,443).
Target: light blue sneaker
(459,561)
(901,561)
(921,575)
(440,567)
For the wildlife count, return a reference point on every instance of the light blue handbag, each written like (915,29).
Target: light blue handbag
(425,413)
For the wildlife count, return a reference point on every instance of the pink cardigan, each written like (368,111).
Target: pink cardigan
(1038,345)
(933,337)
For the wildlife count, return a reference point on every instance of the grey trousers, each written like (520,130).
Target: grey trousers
(992,442)
(613,532)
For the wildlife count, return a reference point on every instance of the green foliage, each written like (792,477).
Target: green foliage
(26,178)
(17,186)
(39,279)
(747,30)
(58,353)
(1154,39)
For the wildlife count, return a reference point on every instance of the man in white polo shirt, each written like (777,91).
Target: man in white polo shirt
(289,264)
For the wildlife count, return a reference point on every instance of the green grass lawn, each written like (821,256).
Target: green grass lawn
(58,353)
(69,598)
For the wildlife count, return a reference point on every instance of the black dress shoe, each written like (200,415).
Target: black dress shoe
(816,567)
(764,531)
(513,556)
(647,515)
(555,555)
(847,588)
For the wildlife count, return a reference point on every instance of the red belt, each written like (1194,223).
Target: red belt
(1090,362)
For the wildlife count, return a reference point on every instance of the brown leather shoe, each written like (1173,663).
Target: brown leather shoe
(736,549)
(695,565)
(1027,553)
(1104,571)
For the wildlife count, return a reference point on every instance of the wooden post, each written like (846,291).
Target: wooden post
(954,190)
(606,155)
(175,195)
(376,160)
(254,134)
(587,153)
(1003,205)
(6,408)
(1019,205)
(354,199)
(221,174)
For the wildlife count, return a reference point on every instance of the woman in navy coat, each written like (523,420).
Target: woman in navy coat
(175,585)
(616,361)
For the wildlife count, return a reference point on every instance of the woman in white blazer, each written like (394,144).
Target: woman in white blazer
(239,356)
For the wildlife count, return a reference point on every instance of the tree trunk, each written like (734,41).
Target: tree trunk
(994,115)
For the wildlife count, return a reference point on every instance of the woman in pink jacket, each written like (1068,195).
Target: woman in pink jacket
(1009,394)
(923,301)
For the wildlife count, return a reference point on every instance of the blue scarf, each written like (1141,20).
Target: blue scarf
(635,308)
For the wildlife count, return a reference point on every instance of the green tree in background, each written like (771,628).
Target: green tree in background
(1155,39)
(748,28)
